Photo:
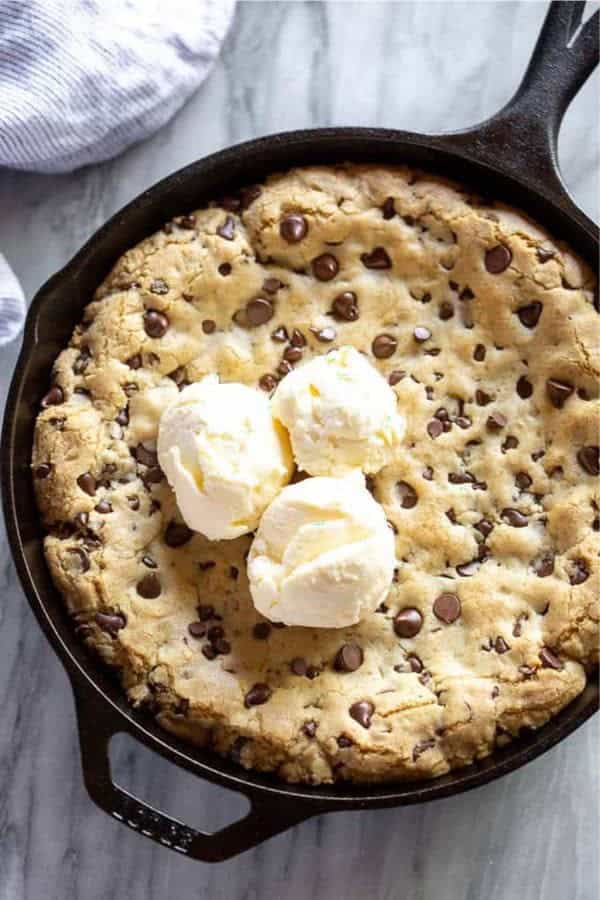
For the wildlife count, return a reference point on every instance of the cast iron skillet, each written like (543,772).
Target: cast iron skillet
(511,156)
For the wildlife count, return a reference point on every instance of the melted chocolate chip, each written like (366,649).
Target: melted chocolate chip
(299,666)
(82,361)
(177,534)
(558,392)
(579,572)
(434,428)
(267,382)
(272,285)
(103,507)
(205,612)
(549,659)
(362,712)
(293,228)
(208,326)
(408,495)
(54,397)
(543,566)
(376,259)
(261,631)
(446,311)
(145,456)
(482,398)
(529,315)
(422,747)
(309,728)
(589,459)
(343,742)
(225,269)
(479,353)
(344,307)
(149,586)
(110,622)
(524,387)
(156,323)
(396,376)
(509,443)
(259,311)
(384,346)
(388,209)
(523,481)
(42,471)
(293,354)
(408,622)
(257,695)
(87,483)
(500,645)
(227,229)
(197,629)
(496,422)
(123,417)
(446,607)
(83,560)
(514,517)
(325,267)
(497,259)
(349,658)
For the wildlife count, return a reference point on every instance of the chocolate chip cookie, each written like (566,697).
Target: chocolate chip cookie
(486,329)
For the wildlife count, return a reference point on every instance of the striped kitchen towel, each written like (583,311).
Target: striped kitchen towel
(81,80)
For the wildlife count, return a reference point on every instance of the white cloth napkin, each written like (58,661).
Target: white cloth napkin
(81,80)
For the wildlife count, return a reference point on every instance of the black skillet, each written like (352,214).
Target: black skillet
(511,157)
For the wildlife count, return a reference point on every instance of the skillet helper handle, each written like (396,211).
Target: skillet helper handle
(267,817)
(526,129)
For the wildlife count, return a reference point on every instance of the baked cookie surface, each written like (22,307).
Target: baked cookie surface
(486,329)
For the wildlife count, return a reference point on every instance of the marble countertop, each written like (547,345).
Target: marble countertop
(421,66)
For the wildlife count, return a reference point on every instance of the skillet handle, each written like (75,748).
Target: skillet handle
(526,129)
(267,817)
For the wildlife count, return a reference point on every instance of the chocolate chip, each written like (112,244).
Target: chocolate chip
(421,334)
(227,229)
(188,221)
(293,354)
(500,645)
(284,368)
(145,456)
(293,228)
(496,421)
(529,315)
(155,323)
(544,565)
(267,382)
(461,478)
(134,502)
(421,747)
(344,307)
(589,459)
(123,417)
(208,326)
(467,570)
(427,473)
(205,612)
(463,421)
(524,387)
(434,428)
(87,483)
(149,587)
(110,622)
(408,622)
(209,652)
(215,633)
(361,712)
(497,259)
(407,494)
(82,361)
(509,443)
(206,564)
(312,672)
(197,629)
(388,209)
(42,471)
(135,361)
(261,631)
(343,742)
(324,335)
(376,259)
(482,398)
(545,253)
(297,339)
(83,560)
(447,607)
(259,311)
(446,311)
(225,269)
(558,392)
(415,663)
(579,572)
(325,267)
(396,376)
(280,335)
(177,534)
(514,517)
(309,728)
(479,353)
(523,481)
(103,507)
(54,397)
(272,285)
(257,695)
(384,346)
(158,286)
(299,666)
(549,659)
(349,658)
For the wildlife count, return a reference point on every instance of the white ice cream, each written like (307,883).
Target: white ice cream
(323,555)
(340,413)
(223,455)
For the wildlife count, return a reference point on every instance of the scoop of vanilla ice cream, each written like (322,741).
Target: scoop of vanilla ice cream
(223,455)
(323,555)
(340,413)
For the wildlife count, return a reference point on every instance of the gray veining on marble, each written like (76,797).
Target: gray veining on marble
(534,834)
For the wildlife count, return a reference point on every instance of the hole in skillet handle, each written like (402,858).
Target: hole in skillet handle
(266,817)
